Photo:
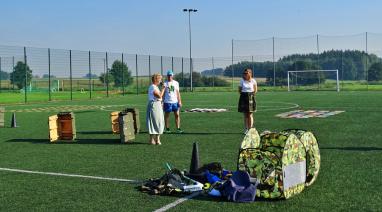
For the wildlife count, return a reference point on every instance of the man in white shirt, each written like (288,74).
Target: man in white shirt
(172,102)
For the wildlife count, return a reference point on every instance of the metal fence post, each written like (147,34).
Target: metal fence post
(13,71)
(136,71)
(49,76)
(149,69)
(213,72)
(232,64)
(318,62)
(0,74)
(161,65)
(107,76)
(71,75)
(172,63)
(366,65)
(26,75)
(274,63)
(123,77)
(182,74)
(90,76)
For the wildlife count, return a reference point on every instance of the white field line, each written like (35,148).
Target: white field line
(68,175)
(164,208)
(177,202)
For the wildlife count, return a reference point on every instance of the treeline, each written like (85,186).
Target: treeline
(353,64)
(199,81)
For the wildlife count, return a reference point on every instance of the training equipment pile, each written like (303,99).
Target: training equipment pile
(284,163)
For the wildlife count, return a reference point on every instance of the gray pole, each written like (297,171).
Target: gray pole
(161,65)
(26,75)
(172,63)
(123,77)
(49,74)
(189,28)
(71,77)
(149,69)
(0,75)
(366,66)
(232,63)
(253,67)
(136,70)
(107,75)
(318,62)
(274,64)
(342,69)
(90,77)
(213,72)
(13,71)
(183,74)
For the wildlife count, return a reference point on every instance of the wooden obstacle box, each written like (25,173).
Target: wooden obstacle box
(62,127)
(2,114)
(115,123)
(126,127)
(135,112)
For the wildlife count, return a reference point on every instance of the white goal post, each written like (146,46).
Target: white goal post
(305,71)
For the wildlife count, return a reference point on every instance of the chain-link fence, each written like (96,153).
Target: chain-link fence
(39,74)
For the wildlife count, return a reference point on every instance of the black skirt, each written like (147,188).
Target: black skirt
(247,102)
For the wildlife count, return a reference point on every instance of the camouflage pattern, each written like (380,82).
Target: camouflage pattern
(313,159)
(265,160)
(251,139)
(293,152)
(263,165)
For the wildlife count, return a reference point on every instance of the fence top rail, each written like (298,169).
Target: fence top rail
(334,70)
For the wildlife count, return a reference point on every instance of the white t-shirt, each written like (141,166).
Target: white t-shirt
(152,88)
(247,86)
(170,94)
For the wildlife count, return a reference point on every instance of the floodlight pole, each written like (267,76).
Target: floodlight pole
(189,30)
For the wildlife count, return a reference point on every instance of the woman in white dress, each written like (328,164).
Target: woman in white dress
(154,113)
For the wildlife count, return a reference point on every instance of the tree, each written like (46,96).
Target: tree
(121,74)
(105,79)
(4,75)
(307,78)
(375,72)
(18,76)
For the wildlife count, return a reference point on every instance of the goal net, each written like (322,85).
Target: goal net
(313,80)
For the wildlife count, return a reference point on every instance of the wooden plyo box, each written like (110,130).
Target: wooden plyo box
(62,127)
(114,122)
(2,114)
(126,127)
(137,124)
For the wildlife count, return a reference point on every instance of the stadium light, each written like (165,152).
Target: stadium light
(189,30)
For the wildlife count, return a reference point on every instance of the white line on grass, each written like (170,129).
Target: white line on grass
(68,175)
(164,208)
(177,202)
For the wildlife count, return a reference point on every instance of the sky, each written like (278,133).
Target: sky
(160,27)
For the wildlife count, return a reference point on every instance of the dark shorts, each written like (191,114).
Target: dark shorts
(170,107)
(247,102)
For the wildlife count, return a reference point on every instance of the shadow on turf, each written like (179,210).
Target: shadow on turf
(78,141)
(95,132)
(360,148)
(208,133)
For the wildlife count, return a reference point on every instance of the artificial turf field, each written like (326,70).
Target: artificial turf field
(350,144)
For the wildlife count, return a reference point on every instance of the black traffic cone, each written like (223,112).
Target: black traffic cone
(194,159)
(13,121)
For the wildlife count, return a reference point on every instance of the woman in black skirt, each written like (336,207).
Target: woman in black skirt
(247,101)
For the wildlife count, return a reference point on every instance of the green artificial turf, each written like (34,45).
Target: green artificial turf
(350,144)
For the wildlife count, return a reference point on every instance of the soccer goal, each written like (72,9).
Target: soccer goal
(313,80)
